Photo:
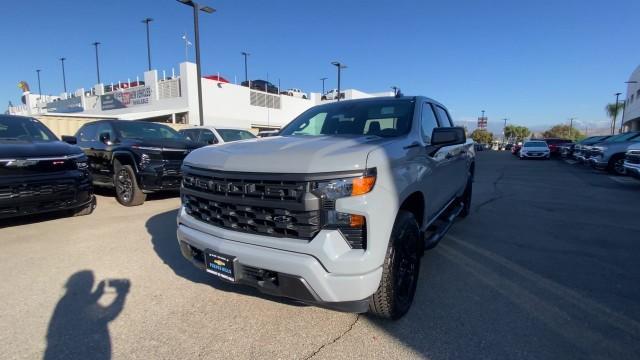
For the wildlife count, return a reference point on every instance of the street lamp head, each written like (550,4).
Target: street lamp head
(186,2)
(245,53)
(338,64)
(208,9)
(147,20)
(618,94)
(324,78)
(95,43)
(631,82)
(62,59)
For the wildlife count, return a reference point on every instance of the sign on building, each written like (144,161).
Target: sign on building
(125,99)
(482,122)
(70,105)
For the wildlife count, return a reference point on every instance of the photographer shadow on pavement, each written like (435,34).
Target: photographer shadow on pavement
(162,228)
(79,326)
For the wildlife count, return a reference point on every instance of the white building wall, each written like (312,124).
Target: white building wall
(632,102)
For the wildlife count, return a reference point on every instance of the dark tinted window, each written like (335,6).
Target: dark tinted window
(384,118)
(208,137)
(88,132)
(144,130)
(191,134)
(18,128)
(428,122)
(443,117)
(234,134)
(105,127)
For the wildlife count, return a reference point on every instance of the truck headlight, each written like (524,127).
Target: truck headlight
(82,162)
(339,188)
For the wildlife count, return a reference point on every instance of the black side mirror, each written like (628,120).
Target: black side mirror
(105,137)
(70,139)
(447,136)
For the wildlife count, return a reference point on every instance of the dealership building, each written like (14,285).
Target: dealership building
(631,113)
(174,99)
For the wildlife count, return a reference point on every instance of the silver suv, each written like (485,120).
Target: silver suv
(609,154)
(337,210)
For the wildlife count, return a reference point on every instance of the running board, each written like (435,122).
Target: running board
(441,226)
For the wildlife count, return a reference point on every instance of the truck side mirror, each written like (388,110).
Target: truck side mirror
(447,136)
(70,139)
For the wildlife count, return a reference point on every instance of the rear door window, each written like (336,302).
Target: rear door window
(87,133)
(428,122)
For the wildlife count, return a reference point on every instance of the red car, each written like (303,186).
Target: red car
(555,144)
(217,78)
(515,150)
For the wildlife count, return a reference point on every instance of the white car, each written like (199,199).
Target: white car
(210,135)
(332,95)
(535,149)
(296,93)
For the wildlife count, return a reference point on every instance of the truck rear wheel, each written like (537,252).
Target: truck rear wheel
(400,270)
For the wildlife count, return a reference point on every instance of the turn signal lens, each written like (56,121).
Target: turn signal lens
(362,185)
(356,221)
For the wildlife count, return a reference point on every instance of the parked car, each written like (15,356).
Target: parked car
(217,78)
(577,150)
(632,160)
(515,150)
(134,157)
(334,211)
(332,95)
(535,149)
(207,135)
(261,85)
(508,147)
(39,173)
(295,93)
(610,154)
(555,144)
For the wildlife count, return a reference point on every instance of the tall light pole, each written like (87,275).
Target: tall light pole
(613,126)
(39,88)
(97,62)
(146,22)
(64,76)
(322,79)
(504,131)
(571,127)
(246,72)
(340,67)
(196,29)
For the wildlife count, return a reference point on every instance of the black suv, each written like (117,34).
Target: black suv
(261,85)
(135,157)
(39,173)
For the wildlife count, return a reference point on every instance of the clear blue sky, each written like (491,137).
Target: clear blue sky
(535,62)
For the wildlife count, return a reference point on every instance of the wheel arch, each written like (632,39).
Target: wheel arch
(415,204)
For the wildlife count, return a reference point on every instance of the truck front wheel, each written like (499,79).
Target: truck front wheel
(400,270)
(128,193)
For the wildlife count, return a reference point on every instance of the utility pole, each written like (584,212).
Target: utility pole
(64,77)
(340,67)
(196,29)
(246,73)
(146,22)
(613,125)
(39,88)
(571,128)
(97,62)
(504,131)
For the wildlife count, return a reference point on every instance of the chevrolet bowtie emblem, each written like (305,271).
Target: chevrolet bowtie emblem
(20,163)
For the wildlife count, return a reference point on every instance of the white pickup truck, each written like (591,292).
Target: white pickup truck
(337,209)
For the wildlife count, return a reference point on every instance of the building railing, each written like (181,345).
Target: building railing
(259,98)
(169,89)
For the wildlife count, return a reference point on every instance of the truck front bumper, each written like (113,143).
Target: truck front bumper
(284,273)
(632,169)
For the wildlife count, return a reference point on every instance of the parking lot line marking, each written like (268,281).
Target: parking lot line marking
(624,180)
(620,321)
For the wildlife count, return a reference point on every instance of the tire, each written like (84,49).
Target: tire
(128,193)
(86,209)
(323,97)
(466,198)
(400,270)
(616,165)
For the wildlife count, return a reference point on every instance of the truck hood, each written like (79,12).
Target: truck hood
(36,149)
(288,154)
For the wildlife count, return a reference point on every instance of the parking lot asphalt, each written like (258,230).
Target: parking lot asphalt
(546,266)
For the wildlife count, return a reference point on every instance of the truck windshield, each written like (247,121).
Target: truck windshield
(384,118)
(144,130)
(26,129)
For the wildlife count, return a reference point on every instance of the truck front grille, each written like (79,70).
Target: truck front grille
(633,157)
(254,219)
(277,190)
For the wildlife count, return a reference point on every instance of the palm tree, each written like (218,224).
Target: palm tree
(612,111)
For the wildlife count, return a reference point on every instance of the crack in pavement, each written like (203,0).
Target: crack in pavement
(497,194)
(335,339)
